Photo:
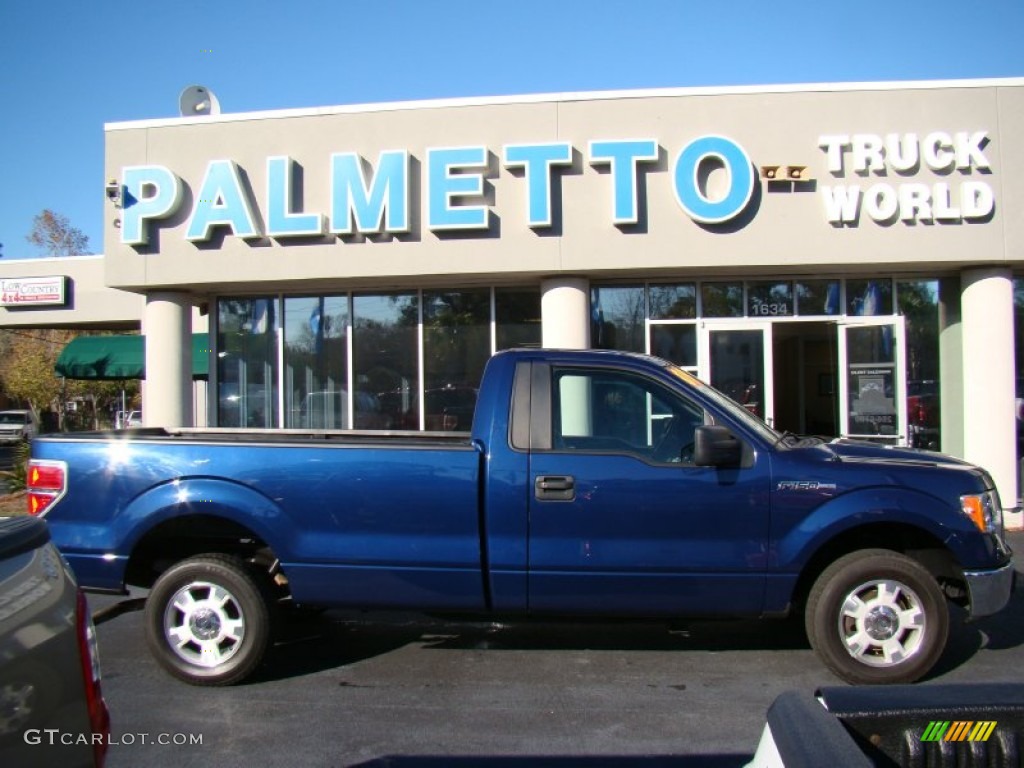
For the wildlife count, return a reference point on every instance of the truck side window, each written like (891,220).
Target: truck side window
(621,412)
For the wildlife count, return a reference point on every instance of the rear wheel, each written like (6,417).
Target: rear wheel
(877,616)
(208,620)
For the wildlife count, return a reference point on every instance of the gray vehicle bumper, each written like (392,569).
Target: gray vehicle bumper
(989,591)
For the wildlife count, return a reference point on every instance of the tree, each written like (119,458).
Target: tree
(27,372)
(53,233)
(28,377)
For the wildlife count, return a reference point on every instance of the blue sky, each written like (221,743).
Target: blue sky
(68,67)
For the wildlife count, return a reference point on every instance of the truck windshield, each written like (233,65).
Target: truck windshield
(734,409)
(12,418)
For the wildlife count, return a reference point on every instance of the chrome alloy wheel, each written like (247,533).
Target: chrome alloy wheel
(882,623)
(204,624)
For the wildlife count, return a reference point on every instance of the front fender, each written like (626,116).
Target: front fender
(796,543)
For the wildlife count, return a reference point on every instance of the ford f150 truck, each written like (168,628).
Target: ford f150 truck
(592,484)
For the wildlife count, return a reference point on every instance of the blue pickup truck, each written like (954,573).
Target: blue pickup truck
(592,484)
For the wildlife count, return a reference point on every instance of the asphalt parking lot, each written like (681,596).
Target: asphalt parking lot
(346,689)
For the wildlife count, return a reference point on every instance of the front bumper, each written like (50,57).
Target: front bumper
(989,591)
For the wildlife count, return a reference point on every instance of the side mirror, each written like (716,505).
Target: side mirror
(715,446)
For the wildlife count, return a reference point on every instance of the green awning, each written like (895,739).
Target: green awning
(121,357)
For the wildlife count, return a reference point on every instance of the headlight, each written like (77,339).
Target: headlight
(984,510)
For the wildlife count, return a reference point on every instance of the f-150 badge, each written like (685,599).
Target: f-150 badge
(805,485)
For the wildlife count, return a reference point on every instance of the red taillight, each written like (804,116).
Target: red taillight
(45,484)
(99,715)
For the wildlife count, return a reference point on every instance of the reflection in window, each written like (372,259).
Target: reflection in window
(247,362)
(867,298)
(676,342)
(770,299)
(721,299)
(617,318)
(817,297)
(737,367)
(673,302)
(456,345)
(1018,336)
(316,362)
(919,305)
(517,318)
(385,357)
(618,412)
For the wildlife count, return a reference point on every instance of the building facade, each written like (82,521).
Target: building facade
(839,258)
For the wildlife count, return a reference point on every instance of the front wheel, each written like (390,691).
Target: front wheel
(208,620)
(877,616)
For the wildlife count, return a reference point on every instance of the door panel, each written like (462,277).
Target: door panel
(620,518)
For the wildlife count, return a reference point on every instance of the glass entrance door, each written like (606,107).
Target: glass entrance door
(872,380)
(735,360)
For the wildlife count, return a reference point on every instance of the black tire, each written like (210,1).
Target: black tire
(209,620)
(877,616)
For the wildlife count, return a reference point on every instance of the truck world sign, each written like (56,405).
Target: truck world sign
(367,199)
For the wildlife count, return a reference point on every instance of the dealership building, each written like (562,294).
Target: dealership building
(842,259)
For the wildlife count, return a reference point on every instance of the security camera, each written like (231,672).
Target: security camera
(113,191)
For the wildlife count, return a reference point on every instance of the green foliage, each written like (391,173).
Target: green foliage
(16,476)
(27,373)
(28,377)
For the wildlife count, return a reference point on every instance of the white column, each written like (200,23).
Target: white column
(167,323)
(990,429)
(565,313)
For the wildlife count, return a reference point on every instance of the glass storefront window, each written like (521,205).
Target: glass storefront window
(739,367)
(456,345)
(770,299)
(617,317)
(919,304)
(1018,337)
(868,298)
(675,342)
(673,302)
(385,361)
(872,381)
(247,362)
(393,341)
(721,299)
(316,362)
(817,297)
(517,318)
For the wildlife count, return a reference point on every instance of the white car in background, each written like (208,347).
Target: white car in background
(126,419)
(17,425)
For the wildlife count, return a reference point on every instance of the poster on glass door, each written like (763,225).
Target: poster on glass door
(872,400)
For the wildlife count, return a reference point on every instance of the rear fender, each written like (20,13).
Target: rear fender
(211,497)
(99,552)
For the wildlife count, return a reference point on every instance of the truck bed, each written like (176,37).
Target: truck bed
(377,438)
(356,518)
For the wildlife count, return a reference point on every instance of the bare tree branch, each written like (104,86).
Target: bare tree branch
(53,233)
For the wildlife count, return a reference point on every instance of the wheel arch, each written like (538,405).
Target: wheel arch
(193,516)
(183,536)
(905,538)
